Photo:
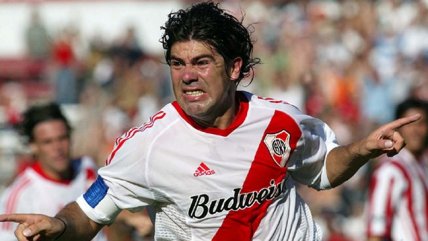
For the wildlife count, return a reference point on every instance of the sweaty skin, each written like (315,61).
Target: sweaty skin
(201,84)
(206,93)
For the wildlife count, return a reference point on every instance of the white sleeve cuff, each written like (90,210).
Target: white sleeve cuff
(325,183)
(104,213)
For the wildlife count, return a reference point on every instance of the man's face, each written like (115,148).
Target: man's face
(200,82)
(51,146)
(416,133)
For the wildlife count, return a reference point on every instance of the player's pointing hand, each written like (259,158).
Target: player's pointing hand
(344,161)
(35,227)
(386,139)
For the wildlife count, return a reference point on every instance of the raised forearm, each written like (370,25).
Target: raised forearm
(343,162)
(77,225)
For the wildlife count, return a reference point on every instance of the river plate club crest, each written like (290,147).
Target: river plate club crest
(279,146)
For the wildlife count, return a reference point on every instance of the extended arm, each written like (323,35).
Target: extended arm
(78,225)
(74,225)
(344,161)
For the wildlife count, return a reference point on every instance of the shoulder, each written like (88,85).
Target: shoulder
(269,103)
(393,168)
(258,104)
(22,184)
(156,123)
(138,139)
(153,126)
(84,165)
(25,178)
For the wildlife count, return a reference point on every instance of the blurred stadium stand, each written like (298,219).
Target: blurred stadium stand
(347,62)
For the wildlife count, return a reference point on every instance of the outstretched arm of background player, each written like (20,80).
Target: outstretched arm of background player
(75,225)
(344,161)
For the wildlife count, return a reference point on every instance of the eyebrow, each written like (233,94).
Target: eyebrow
(210,56)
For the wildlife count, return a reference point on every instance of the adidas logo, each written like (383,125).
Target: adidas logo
(203,169)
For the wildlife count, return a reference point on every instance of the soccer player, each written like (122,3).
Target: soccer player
(398,194)
(54,180)
(217,163)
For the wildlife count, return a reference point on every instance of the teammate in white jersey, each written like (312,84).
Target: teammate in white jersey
(398,194)
(216,164)
(54,179)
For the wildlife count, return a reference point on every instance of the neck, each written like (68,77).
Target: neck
(224,116)
(61,176)
(221,122)
(418,155)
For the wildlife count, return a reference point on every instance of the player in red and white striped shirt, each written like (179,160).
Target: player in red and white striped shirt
(216,164)
(398,194)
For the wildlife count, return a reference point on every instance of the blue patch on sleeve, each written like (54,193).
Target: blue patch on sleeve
(96,192)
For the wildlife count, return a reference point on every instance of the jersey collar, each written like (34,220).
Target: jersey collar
(38,169)
(239,118)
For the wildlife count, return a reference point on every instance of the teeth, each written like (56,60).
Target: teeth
(194,92)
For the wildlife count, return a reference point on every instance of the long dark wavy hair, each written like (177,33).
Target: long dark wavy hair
(208,23)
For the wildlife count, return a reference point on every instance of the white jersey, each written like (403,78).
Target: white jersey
(398,199)
(212,184)
(34,192)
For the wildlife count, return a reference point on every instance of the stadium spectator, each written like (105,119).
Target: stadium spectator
(217,164)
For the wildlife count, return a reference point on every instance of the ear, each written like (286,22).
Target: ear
(236,68)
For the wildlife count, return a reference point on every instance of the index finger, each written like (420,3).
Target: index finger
(17,218)
(403,121)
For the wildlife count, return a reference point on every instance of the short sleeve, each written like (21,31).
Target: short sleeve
(307,164)
(121,184)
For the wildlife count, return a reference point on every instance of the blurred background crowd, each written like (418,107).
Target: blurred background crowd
(347,62)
